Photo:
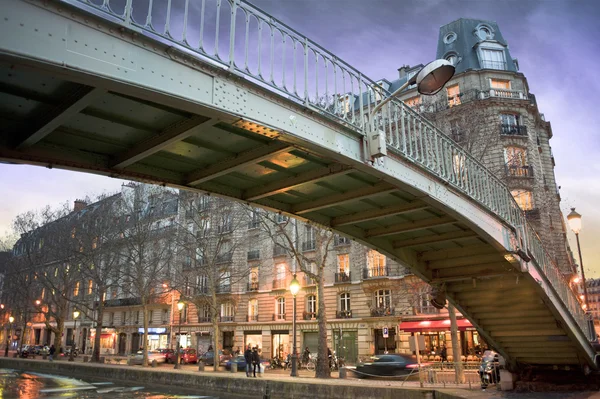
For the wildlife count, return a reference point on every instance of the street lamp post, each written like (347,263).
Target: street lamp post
(180,307)
(73,345)
(429,80)
(294,289)
(574,219)
(9,337)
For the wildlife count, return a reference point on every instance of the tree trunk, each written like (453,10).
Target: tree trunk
(323,369)
(145,335)
(98,336)
(456,350)
(215,323)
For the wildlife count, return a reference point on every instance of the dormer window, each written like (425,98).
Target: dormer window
(450,38)
(485,32)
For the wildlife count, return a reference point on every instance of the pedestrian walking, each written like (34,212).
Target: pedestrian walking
(444,355)
(51,352)
(255,361)
(248,359)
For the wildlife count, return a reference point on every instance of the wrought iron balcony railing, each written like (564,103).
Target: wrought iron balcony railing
(407,134)
(279,284)
(224,258)
(519,171)
(489,64)
(253,317)
(382,311)
(341,240)
(309,315)
(278,316)
(343,277)
(253,224)
(279,250)
(344,314)
(513,130)
(254,254)
(204,319)
(309,280)
(223,289)
(227,319)
(252,286)
(374,272)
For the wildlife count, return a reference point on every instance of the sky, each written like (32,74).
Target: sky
(557,44)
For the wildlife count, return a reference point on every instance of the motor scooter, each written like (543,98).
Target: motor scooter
(489,369)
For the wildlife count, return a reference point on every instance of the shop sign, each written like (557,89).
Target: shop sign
(153,330)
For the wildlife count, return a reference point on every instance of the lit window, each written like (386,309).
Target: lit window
(76,289)
(252,309)
(413,102)
(90,287)
(515,156)
(281,308)
(500,84)
(524,199)
(311,304)
(343,263)
(281,270)
(376,264)
(453,95)
(383,299)
(227,310)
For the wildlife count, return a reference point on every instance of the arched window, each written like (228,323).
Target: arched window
(280,309)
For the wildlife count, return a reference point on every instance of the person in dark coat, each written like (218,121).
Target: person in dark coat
(51,352)
(255,361)
(444,355)
(248,359)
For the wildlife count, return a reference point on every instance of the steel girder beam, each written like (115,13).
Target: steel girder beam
(436,238)
(451,253)
(289,183)
(237,162)
(342,198)
(172,134)
(378,213)
(71,106)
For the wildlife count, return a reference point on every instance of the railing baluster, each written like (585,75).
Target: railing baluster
(234,6)
(185,21)
(272,53)
(202,14)
(246,45)
(168,20)
(148,24)
(306,100)
(217,28)
(260,26)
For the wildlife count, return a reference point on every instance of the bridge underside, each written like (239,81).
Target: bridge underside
(64,117)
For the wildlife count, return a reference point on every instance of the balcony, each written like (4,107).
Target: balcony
(309,281)
(253,317)
(278,316)
(204,319)
(224,258)
(279,250)
(519,171)
(309,315)
(339,241)
(223,289)
(280,284)
(344,314)
(382,311)
(227,319)
(252,286)
(488,64)
(375,272)
(123,302)
(533,214)
(344,277)
(254,254)
(309,245)
(506,93)
(513,130)
(224,228)
(201,290)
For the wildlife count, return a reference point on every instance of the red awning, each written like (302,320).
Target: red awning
(433,325)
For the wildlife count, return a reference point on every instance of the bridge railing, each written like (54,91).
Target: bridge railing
(242,38)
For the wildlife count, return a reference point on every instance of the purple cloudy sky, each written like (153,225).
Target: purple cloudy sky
(557,44)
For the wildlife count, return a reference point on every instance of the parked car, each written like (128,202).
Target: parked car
(241,363)
(186,356)
(165,352)
(209,358)
(388,365)
(138,357)
(41,350)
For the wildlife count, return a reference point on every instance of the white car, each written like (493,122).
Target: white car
(138,357)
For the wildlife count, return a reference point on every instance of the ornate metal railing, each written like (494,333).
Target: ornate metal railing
(242,38)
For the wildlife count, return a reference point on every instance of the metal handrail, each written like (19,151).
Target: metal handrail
(305,72)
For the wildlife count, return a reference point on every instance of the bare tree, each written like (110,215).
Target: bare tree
(309,250)
(211,237)
(147,247)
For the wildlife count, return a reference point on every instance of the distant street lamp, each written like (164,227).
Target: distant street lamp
(9,336)
(180,306)
(429,80)
(574,219)
(294,289)
(73,344)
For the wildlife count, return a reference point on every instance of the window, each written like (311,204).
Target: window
(343,261)
(253,279)
(455,130)
(450,37)
(383,299)
(453,95)
(524,199)
(515,156)
(376,264)
(311,304)
(90,287)
(344,301)
(150,316)
(205,314)
(509,119)
(111,318)
(413,102)
(500,84)
(95,243)
(253,310)
(485,32)
(76,289)
(201,284)
(225,283)
(227,311)
(280,308)
(281,218)
(123,317)
(281,271)
(309,239)
(492,58)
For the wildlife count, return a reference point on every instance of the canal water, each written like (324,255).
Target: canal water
(18,384)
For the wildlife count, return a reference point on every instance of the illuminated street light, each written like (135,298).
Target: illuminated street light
(294,289)
(9,336)
(73,344)
(180,306)
(574,219)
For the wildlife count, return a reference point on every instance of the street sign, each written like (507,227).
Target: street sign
(386,333)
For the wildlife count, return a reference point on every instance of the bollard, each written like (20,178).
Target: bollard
(85,359)
(343,373)
(154,363)
(200,366)
(234,367)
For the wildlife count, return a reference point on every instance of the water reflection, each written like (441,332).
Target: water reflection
(28,385)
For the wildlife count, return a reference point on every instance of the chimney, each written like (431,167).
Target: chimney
(402,71)
(79,205)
